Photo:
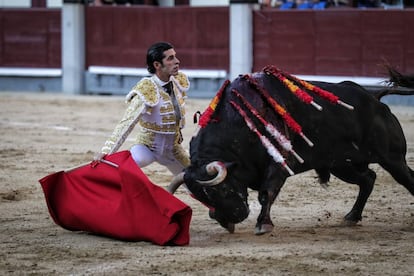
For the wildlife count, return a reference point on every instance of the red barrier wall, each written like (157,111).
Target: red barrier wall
(30,38)
(348,42)
(120,36)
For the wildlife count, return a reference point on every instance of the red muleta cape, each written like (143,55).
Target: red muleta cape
(120,203)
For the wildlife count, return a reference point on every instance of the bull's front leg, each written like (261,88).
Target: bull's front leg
(264,222)
(266,198)
(268,192)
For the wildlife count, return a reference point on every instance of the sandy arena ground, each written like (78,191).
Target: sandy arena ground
(44,133)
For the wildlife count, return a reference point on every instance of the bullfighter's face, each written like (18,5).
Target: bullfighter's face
(169,66)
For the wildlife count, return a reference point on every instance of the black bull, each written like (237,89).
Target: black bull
(227,157)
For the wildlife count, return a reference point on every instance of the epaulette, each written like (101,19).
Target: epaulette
(182,81)
(147,91)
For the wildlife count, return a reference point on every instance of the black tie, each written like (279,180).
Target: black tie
(169,89)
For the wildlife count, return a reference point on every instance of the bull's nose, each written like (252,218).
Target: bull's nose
(241,213)
(234,215)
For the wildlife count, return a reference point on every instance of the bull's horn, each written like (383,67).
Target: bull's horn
(177,181)
(215,167)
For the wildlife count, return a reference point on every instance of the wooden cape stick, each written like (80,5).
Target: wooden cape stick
(112,164)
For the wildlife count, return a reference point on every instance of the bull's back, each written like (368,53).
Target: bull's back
(338,133)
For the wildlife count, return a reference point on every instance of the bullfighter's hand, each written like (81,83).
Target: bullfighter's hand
(99,156)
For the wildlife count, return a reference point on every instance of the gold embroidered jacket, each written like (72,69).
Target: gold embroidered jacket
(158,115)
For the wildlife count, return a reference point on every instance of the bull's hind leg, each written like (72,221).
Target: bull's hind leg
(364,178)
(400,171)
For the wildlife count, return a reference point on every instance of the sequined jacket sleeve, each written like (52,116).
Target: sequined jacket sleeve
(125,125)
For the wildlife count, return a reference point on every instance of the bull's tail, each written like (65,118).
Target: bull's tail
(398,79)
(378,94)
(398,83)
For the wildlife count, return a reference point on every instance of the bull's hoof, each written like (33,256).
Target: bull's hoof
(263,229)
(346,222)
(352,218)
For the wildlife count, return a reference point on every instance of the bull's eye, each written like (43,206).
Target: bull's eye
(207,194)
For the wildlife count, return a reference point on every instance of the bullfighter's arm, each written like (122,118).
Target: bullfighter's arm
(125,126)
